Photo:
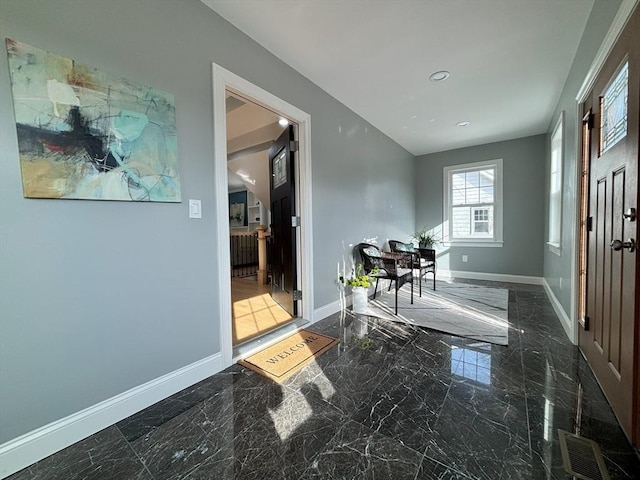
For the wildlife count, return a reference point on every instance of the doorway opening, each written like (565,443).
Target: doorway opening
(251,132)
(227,84)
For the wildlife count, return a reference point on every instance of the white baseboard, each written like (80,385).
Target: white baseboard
(21,452)
(333,307)
(565,321)
(329,309)
(494,277)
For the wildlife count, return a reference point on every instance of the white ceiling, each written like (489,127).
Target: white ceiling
(508,60)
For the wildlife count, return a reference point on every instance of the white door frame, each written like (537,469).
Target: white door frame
(224,80)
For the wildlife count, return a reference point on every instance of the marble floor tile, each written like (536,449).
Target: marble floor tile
(476,444)
(105,455)
(408,413)
(357,452)
(432,469)
(152,417)
(390,401)
(175,448)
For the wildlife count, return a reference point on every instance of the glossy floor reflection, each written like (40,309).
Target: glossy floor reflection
(389,402)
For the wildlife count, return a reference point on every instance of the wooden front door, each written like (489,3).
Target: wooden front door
(283,208)
(609,337)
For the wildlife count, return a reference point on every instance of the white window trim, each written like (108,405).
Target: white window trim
(497,240)
(555,245)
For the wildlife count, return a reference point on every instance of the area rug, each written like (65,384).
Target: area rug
(465,310)
(282,359)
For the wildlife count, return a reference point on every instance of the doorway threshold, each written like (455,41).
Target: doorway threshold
(255,344)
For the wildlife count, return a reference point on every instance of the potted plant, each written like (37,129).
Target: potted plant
(359,283)
(424,238)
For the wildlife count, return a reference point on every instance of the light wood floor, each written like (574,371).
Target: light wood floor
(254,311)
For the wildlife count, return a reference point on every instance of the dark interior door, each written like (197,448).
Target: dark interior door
(281,170)
(610,338)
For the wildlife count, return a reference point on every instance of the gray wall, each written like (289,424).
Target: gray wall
(99,297)
(557,269)
(523,196)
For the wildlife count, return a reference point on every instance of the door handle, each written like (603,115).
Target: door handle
(618,245)
(630,215)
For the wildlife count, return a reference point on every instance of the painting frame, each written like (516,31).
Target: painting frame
(236,215)
(86,134)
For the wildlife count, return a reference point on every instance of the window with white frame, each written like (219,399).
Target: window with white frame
(473,204)
(481,223)
(555,189)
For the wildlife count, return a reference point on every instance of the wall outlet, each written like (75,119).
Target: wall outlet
(465,258)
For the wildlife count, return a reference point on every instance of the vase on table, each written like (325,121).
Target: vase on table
(360,299)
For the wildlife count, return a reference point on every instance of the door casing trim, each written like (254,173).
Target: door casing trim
(224,80)
(618,24)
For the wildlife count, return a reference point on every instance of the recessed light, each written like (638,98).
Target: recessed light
(283,122)
(439,76)
(463,124)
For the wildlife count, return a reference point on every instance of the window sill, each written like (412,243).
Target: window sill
(554,248)
(474,243)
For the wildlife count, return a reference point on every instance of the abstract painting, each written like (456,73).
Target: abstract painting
(236,215)
(86,134)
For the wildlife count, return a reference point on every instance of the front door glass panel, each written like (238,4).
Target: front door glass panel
(280,169)
(614,110)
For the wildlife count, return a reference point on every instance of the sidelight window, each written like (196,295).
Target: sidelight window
(554,239)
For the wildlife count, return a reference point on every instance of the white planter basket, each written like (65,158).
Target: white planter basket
(360,299)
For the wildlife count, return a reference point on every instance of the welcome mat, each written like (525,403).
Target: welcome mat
(284,358)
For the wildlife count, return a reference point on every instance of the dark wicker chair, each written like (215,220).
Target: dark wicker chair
(422,259)
(389,265)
